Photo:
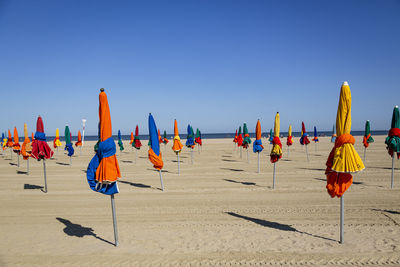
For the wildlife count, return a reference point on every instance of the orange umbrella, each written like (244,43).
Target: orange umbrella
(177,146)
(131,139)
(26,147)
(16,145)
(9,141)
(79,142)
(103,170)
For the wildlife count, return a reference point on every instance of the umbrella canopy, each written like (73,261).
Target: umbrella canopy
(315,139)
(103,170)
(120,144)
(160,140)
(165,139)
(190,137)
(4,140)
(246,139)
(154,150)
(197,138)
(177,146)
(271,136)
(40,148)
(343,159)
(240,137)
(136,140)
(333,138)
(9,141)
(26,147)
(79,142)
(304,135)
(16,145)
(257,145)
(276,152)
(367,135)
(132,138)
(393,140)
(289,140)
(56,141)
(68,143)
(235,140)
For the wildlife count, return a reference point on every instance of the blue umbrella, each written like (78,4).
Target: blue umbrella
(154,149)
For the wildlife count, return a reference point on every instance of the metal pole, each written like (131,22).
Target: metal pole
(273,181)
(307,153)
(241,152)
(341,219)
(57,153)
(177,154)
(135,155)
(45,178)
(288,151)
(11,153)
(114,220)
(80,151)
(391,185)
(191,155)
(162,184)
(18,159)
(247,155)
(70,161)
(27,166)
(365,149)
(315,147)
(258,159)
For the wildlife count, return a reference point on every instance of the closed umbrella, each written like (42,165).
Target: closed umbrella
(276,152)
(190,141)
(240,140)
(120,144)
(393,140)
(304,138)
(235,140)
(68,144)
(26,148)
(56,142)
(177,146)
(257,145)
(246,140)
(155,156)
(289,140)
(79,142)
(367,137)
(16,145)
(315,139)
(10,142)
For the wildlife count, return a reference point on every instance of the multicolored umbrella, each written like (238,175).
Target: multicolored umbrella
(165,139)
(315,139)
(393,140)
(235,140)
(79,142)
(276,152)
(4,141)
(367,137)
(9,141)
(26,148)
(16,146)
(257,145)
(132,138)
(56,141)
(343,158)
(177,146)
(289,140)
(271,136)
(304,138)
(103,170)
(120,144)
(197,138)
(68,144)
(160,140)
(136,141)
(155,156)
(40,148)
(333,138)
(190,137)
(246,139)
(240,137)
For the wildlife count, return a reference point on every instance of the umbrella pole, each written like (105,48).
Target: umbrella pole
(273,180)
(11,153)
(288,151)
(70,161)
(45,178)
(80,150)
(135,155)
(114,220)
(198,148)
(258,160)
(391,185)
(365,150)
(341,219)
(247,155)
(315,147)
(241,152)
(27,166)
(307,153)
(57,153)
(177,154)
(162,184)
(18,160)
(191,155)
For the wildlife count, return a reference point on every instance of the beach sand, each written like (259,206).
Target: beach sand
(218,211)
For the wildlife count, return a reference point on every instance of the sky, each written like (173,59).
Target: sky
(213,63)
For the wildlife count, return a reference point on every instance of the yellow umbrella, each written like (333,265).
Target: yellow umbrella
(276,152)
(343,159)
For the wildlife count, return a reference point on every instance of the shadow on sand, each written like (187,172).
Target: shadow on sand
(78,230)
(22,172)
(275,225)
(32,186)
(234,170)
(324,180)
(62,163)
(237,182)
(136,184)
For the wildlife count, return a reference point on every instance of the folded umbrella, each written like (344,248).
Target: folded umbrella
(165,139)
(56,141)
(26,147)
(304,138)
(257,145)
(155,156)
(132,138)
(276,152)
(235,140)
(9,141)
(271,136)
(120,144)
(367,137)
(246,139)
(289,140)
(136,141)
(177,146)
(393,140)
(190,137)
(315,139)
(79,142)
(197,138)
(16,146)
(68,143)
(240,137)
(4,140)
(103,170)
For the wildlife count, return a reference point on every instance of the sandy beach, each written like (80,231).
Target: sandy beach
(218,211)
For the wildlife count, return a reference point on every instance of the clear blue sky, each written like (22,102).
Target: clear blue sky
(214,64)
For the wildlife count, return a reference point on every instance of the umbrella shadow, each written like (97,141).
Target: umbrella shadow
(62,163)
(85,171)
(286,159)
(229,160)
(388,211)
(313,169)
(276,225)
(237,182)
(142,157)
(78,230)
(387,216)
(226,156)
(154,170)
(234,170)
(22,172)
(127,161)
(324,180)
(136,184)
(383,168)
(176,161)
(32,186)
(13,164)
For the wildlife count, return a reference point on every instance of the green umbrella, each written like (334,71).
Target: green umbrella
(393,140)
(367,137)
(246,139)
(68,143)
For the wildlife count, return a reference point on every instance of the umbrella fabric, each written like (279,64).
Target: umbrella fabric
(235,140)
(289,140)
(68,143)
(155,156)
(304,135)
(190,137)
(367,135)
(240,137)
(79,142)
(343,159)
(201,139)
(165,139)
(136,141)
(197,138)
(393,140)
(120,144)
(246,139)
(315,139)
(9,141)
(26,147)
(271,136)
(333,138)
(4,140)
(257,145)
(40,148)
(56,141)
(16,145)
(131,139)
(160,140)
(177,146)
(276,152)
(103,170)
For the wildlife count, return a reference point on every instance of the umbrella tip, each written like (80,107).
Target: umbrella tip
(396,106)
(345,83)
(101,89)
